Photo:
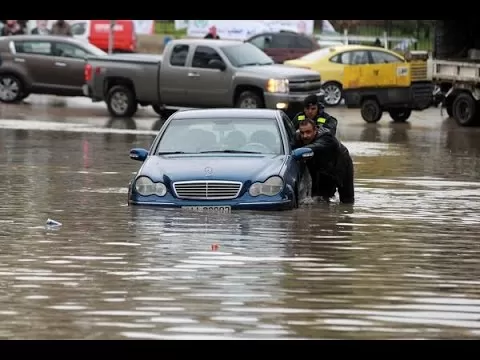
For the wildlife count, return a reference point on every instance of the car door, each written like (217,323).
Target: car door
(174,80)
(70,65)
(359,73)
(294,168)
(207,86)
(36,57)
(390,70)
(282,47)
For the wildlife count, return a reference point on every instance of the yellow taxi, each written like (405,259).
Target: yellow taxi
(330,62)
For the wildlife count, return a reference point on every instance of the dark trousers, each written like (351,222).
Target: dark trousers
(325,184)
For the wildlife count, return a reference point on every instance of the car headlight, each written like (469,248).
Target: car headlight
(145,187)
(277,86)
(271,187)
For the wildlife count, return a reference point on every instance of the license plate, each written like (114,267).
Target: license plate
(217,209)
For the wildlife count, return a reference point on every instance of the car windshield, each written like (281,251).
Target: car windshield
(246,55)
(236,135)
(316,55)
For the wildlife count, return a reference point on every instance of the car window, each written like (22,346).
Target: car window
(302,42)
(202,57)
(380,57)
(282,41)
(359,57)
(290,128)
(262,41)
(199,135)
(179,55)
(79,28)
(33,47)
(344,58)
(68,50)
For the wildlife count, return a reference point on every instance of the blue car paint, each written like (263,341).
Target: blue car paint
(244,168)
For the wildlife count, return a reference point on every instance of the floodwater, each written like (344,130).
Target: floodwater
(402,263)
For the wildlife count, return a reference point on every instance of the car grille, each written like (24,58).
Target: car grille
(419,70)
(207,190)
(305,86)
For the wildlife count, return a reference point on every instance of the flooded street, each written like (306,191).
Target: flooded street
(402,263)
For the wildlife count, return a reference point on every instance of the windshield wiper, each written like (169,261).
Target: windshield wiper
(172,153)
(229,152)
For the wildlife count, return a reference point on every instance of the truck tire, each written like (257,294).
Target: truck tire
(121,101)
(400,115)
(249,100)
(12,89)
(464,109)
(371,111)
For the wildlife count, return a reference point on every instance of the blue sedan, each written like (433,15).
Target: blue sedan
(220,160)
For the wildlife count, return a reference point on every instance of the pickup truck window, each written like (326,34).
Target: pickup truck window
(33,47)
(202,56)
(179,55)
(246,54)
(380,57)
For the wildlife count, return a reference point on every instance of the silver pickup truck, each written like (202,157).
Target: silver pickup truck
(195,73)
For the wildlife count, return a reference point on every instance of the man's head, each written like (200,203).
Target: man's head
(308,131)
(310,106)
(213,30)
(61,22)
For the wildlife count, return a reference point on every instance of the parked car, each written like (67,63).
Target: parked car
(97,33)
(197,73)
(42,64)
(330,63)
(222,159)
(284,45)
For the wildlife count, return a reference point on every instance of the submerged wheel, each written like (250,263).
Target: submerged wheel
(464,109)
(371,111)
(400,115)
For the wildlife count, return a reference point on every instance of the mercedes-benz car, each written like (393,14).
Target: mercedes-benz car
(222,160)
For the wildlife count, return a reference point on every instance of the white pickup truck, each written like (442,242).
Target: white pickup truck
(455,69)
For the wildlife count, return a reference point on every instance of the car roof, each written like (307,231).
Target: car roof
(246,114)
(40,38)
(206,42)
(337,48)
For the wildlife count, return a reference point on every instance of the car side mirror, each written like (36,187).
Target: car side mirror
(302,153)
(217,64)
(138,154)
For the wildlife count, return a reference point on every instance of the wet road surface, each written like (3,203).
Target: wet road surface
(403,263)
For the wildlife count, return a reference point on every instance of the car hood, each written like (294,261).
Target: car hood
(232,167)
(282,71)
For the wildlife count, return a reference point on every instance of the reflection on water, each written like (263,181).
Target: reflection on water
(401,263)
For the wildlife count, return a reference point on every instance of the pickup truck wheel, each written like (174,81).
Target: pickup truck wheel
(464,109)
(371,111)
(400,115)
(11,89)
(249,100)
(121,101)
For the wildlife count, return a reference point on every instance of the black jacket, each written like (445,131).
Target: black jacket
(330,155)
(323,120)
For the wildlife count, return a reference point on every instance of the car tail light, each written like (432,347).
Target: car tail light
(88,72)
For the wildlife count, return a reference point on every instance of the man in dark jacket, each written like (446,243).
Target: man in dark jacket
(314,110)
(331,167)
